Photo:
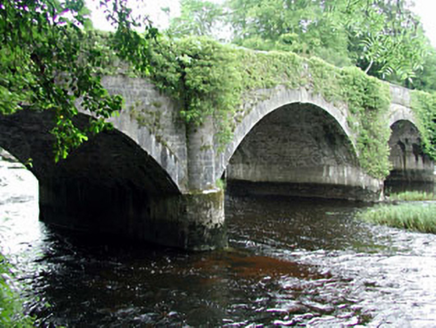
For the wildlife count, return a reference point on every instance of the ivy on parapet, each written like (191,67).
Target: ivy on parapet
(212,79)
(423,104)
(202,74)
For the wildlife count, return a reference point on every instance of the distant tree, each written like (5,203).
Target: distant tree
(300,26)
(386,38)
(383,37)
(197,17)
(48,62)
(426,79)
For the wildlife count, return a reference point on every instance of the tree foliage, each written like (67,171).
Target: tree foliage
(212,79)
(199,18)
(382,37)
(48,62)
(386,38)
(426,79)
(300,26)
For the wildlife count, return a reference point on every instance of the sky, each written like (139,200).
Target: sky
(150,7)
(426,9)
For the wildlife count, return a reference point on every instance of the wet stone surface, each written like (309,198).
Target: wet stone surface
(291,262)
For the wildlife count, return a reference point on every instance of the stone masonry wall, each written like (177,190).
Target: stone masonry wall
(407,157)
(299,144)
(152,120)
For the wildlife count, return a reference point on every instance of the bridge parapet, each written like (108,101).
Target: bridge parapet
(152,120)
(400,107)
(309,135)
(268,101)
(399,95)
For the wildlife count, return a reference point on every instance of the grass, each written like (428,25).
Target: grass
(11,309)
(221,183)
(412,196)
(415,217)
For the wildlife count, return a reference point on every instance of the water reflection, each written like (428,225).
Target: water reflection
(292,262)
(397,187)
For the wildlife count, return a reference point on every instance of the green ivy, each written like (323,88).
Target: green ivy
(368,101)
(11,307)
(423,105)
(262,70)
(202,74)
(214,79)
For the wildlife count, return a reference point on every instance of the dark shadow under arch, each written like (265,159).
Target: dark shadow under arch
(109,156)
(109,185)
(301,150)
(409,162)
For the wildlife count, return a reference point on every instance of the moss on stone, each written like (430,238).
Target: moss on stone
(212,79)
(424,106)
(215,79)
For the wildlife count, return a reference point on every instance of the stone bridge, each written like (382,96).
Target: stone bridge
(153,178)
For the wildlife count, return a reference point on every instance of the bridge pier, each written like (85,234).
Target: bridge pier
(110,187)
(193,221)
(204,201)
(204,222)
(154,178)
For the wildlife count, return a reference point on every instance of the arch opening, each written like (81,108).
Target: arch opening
(16,181)
(299,150)
(410,165)
(108,186)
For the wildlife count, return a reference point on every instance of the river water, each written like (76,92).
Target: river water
(292,262)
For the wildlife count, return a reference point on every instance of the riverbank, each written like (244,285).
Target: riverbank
(415,217)
(412,196)
(328,269)
(11,308)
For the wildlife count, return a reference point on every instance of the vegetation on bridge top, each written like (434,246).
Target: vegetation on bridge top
(382,37)
(39,41)
(214,79)
(424,106)
(210,78)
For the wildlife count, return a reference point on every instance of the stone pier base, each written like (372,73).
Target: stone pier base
(308,190)
(424,175)
(191,221)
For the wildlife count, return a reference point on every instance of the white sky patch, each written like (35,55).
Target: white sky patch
(153,9)
(426,9)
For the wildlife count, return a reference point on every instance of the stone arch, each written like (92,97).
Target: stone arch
(108,186)
(26,136)
(409,162)
(277,98)
(315,155)
(154,146)
(398,112)
(152,120)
